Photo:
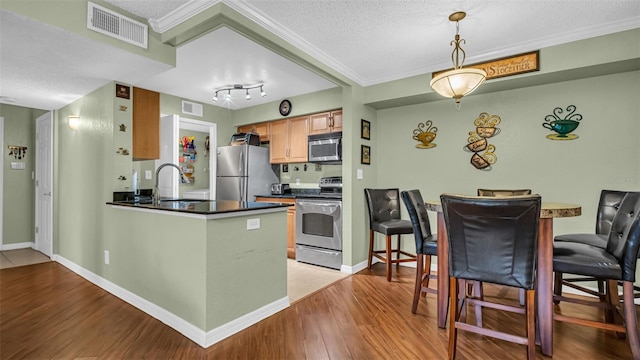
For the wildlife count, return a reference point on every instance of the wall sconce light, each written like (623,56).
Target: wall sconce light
(74,121)
(458,82)
(246,89)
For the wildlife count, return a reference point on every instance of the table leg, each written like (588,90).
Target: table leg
(443,272)
(545,285)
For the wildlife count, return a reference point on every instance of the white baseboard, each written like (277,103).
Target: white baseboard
(224,331)
(16,246)
(195,334)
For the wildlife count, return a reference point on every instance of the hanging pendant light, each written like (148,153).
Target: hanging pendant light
(458,82)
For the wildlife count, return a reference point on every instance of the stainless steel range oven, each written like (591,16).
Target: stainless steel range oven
(319,225)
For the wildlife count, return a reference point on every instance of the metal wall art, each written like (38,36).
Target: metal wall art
(425,134)
(562,127)
(18,152)
(483,153)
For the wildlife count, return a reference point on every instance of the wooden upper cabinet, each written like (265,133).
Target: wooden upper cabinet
(336,120)
(298,143)
(146,124)
(288,140)
(326,122)
(261,128)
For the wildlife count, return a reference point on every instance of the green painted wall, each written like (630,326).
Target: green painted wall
(225,127)
(300,105)
(18,206)
(605,156)
(71,15)
(84,169)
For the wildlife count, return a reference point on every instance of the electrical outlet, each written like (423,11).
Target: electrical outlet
(253,224)
(106,257)
(148,174)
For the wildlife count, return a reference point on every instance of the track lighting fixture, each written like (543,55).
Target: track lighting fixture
(246,88)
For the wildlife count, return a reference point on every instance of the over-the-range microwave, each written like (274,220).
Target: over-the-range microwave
(326,148)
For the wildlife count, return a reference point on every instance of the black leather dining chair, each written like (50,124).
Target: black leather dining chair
(426,244)
(492,240)
(613,264)
(384,218)
(503,193)
(607,208)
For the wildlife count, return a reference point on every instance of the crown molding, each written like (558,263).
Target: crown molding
(181,14)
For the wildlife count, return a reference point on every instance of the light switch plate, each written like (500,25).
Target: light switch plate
(148,174)
(359,174)
(253,224)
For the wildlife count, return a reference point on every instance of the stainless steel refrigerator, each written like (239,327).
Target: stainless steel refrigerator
(243,172)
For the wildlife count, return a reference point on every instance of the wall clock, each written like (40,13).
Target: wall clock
(285,107)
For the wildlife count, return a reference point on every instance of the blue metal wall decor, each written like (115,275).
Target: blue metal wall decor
(562,127)
(425,134)
(483,153)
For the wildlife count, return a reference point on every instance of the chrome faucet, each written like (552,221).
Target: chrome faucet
(156,196)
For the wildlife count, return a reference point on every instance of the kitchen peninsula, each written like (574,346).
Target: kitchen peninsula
(206,268)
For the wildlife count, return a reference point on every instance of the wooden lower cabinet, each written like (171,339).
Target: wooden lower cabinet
(291,221)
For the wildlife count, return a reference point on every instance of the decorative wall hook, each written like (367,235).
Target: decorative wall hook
(563,127)
(425,134)
(18,152)
(483,153)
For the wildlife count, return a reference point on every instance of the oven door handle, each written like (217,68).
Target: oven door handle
(317,203)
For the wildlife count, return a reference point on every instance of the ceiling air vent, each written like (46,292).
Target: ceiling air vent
(117,26)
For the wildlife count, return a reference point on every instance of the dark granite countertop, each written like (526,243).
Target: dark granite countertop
(203,207)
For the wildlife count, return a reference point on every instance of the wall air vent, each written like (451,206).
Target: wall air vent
(191,108)
(110,23)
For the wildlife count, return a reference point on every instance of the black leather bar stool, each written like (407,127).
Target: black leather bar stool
(426,244)
(613,264)
(607,209)
(384,218)
(492,239)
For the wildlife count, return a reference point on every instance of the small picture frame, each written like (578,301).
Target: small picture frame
(123,91)
(365,154)
(365,129)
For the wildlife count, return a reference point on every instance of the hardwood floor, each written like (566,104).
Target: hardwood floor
(47,312)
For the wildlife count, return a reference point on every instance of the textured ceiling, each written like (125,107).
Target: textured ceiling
(368,41)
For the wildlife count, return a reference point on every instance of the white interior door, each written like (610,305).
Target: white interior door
(44,182)
(168,178)
(208,128)
(1,177)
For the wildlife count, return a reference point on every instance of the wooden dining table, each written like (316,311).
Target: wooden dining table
(544,288)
